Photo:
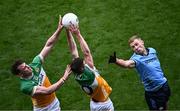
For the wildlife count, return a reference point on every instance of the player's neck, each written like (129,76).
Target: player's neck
(146,52)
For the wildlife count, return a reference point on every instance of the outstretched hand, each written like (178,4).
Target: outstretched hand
(74,29)
(112,59)
(60,22)
(67,72)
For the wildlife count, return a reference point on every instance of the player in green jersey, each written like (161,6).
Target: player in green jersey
(87,75)
(34,81)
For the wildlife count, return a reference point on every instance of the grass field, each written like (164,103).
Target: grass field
(25,25)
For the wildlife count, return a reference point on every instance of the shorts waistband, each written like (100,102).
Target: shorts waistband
(94,100)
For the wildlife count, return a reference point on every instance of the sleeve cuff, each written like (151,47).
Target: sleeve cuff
(41,57)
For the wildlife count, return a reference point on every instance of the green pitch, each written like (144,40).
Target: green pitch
(25,25)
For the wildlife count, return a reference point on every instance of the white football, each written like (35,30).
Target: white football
(69,19)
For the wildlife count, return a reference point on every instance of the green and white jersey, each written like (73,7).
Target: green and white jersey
(27,85)
(86,78)
(39,78)
(93,84)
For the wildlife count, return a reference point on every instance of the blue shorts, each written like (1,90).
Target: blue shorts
(158,100)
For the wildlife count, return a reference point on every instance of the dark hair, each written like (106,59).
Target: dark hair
(76,65)
(14,67)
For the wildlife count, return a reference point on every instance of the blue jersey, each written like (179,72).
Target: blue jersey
(149,70)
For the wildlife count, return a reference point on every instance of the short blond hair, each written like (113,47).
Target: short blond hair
(133,38)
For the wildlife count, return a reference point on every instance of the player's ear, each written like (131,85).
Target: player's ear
(142,41)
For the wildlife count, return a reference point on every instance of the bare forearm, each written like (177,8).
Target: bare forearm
(125,63)
(72,45)
(86,51)
(55,86)
(50,89)
(53,38)
(120,62)
(61,81)
(50,43)
(83,45)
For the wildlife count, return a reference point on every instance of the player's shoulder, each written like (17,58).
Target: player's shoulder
(151,50)
(38,58)
(26,83)
(26,86)
(135,56)
(37,61)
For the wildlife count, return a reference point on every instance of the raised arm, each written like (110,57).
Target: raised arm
(121,62)
(72,44)
(51,41)
(55,86)
(84,46)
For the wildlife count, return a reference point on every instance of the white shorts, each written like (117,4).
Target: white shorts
(101,106)
(54,106)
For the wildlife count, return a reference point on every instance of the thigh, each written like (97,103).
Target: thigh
(158,100)
(150,101)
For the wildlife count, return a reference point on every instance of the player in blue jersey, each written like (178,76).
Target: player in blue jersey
(146,62)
